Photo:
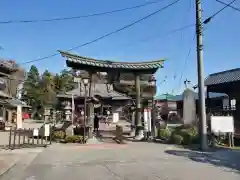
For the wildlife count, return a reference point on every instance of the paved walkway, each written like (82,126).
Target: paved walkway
(132,161)
(10,159)
(7,161)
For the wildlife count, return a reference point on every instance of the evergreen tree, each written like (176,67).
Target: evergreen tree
(32,90)
(48,89)
(66,79)
(40,91)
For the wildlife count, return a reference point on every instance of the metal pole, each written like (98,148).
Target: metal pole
(85,113)
(202,107)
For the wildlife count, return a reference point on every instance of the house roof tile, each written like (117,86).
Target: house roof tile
(228,76)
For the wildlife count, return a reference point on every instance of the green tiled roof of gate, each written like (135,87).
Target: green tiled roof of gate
(111,64)
(165,97)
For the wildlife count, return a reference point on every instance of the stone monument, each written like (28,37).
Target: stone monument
(189,107)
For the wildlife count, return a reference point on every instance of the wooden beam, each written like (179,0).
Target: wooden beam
(133,82)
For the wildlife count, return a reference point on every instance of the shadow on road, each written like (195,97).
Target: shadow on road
(228,158)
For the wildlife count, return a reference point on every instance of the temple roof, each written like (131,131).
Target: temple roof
(15,102)
(228,76)
(76,60)
(99,90)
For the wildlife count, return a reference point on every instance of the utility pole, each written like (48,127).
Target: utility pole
(201,92)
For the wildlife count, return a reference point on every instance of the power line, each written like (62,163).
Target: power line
(81,16)
(233,7)
(106,35)
(220,10)
(141,41)
(182,38)
(156,37)
(205,22)
(186,61)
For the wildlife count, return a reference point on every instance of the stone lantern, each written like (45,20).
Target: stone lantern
(47,114)
(67,110)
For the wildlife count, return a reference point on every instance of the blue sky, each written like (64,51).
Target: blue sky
(144,41)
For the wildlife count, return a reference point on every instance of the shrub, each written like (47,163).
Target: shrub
(189,135)
(193,131)
(177,139)
(194,135)
(186,138)
(164,133)
(59,135)
(74,139)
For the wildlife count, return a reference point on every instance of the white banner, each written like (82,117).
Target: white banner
(115,117)
(35,132)
(19,117)
(133,118)
(47,130)
(149,120)
(145,118)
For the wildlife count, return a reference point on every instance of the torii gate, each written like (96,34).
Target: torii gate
(114,70)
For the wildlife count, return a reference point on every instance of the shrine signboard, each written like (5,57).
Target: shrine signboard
(222,124)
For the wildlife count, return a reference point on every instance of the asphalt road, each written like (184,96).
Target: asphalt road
(133,161)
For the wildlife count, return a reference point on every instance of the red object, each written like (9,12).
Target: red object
(26,116)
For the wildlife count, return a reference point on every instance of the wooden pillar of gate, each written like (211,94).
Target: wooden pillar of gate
(90,106)
(138,122)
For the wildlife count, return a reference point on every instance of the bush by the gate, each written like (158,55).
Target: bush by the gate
(182,135)
(74,139)
(59,135)
(164,134)
(177,139)
(189,135)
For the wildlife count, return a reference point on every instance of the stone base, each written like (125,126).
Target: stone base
(69,131)
(140,135)
(93,140)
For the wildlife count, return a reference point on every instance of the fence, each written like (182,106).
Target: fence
(28,138)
